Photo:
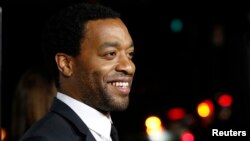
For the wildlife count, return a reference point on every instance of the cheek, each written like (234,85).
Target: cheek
(105,66)
(100,73)
(99,67)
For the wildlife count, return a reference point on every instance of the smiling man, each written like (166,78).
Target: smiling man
(90,51)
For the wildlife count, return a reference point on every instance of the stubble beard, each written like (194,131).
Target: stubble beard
(97,95)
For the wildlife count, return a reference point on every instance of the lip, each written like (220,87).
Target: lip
(124,91)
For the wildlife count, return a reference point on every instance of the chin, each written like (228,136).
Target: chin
(121,106)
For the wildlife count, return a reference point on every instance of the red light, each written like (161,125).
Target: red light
(187,136)
(176,113)
(225,100)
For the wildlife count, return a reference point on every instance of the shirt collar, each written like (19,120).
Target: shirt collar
(94,119)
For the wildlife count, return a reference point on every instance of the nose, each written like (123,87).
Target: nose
(125,65)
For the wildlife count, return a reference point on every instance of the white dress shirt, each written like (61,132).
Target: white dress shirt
(98,123)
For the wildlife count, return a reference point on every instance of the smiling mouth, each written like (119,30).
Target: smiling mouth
(120,84)
(122,87)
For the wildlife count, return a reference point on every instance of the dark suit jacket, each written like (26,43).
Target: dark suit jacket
(60,124)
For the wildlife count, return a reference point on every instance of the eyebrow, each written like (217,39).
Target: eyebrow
(114,44)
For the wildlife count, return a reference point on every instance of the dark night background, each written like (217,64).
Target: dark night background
(173,69)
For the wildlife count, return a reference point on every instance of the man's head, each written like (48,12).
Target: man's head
(91,50)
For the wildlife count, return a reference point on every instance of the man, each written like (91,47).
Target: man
(91,50)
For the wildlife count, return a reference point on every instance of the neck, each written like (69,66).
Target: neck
(107,114)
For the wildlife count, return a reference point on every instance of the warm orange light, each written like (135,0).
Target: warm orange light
(154,131)
(153,125)
(3,134)
(225,100)
(153,122)
(205,108)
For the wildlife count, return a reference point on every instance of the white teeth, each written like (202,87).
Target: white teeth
(120,84)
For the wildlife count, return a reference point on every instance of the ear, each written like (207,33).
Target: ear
(64,63)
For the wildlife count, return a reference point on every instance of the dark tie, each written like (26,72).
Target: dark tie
(114,134)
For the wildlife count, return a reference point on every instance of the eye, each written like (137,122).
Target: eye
(110,55)
(131,55)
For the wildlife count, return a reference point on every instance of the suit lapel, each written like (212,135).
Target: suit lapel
(65,111)
(114,134)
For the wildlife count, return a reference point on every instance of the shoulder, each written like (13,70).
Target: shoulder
(37,138)
(52,127)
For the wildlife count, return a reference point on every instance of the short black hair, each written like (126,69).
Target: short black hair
(65,29)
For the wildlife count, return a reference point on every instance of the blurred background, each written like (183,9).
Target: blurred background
(193,65)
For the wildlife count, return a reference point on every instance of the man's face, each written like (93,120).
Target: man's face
(104,69)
